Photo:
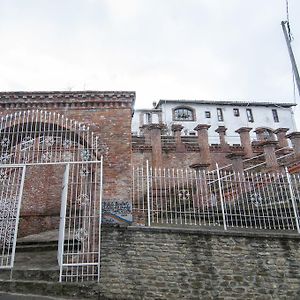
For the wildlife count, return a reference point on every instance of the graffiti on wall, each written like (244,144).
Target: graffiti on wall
(117,212)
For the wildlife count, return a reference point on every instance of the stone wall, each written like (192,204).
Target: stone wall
(153,263)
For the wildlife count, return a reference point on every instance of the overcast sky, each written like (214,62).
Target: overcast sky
(162,49)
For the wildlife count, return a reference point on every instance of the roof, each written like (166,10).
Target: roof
(228,102)
(148,110)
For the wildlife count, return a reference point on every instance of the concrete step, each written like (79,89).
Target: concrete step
(36,247)
(36,272)
(30,275)
(84,290)
(47,240)
(43,246)
(15,296)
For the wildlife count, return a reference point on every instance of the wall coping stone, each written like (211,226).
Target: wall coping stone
(71,99)
(215,232)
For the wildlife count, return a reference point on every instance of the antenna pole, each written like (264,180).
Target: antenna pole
(292,57)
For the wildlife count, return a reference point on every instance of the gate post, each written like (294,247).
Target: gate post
(221,196)
(292,198)
(148,193)
(62,224)
(100,215)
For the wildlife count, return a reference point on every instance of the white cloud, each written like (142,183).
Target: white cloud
(211,49)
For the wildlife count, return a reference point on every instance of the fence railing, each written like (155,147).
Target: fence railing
(269,201)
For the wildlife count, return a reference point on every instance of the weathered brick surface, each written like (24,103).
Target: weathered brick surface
(165,264)
(41,201)
(172,159)
(108,114)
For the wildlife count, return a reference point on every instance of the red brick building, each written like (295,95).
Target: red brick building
(106,115)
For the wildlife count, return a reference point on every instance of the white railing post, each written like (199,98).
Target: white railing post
(148,193)
(62,223)
(293,199)
(17,218)
(100,216)
(221,196)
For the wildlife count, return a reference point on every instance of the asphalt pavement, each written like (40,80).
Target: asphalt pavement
(8,296)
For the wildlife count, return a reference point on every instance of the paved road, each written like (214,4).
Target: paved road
(6,296)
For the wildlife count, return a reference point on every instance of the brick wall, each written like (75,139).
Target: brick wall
(41,199)
(108,114)
(173,159)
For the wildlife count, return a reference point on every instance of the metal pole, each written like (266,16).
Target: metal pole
(221,196)
(148,193)
(293,199)
(292,57)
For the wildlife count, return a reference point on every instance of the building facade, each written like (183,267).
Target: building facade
(230,114)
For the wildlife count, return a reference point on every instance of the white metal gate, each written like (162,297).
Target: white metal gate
(44,138)
(11,188)
(80,225)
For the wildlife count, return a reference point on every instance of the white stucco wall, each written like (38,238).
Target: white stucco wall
(262,116)
(139,118)
(135,122)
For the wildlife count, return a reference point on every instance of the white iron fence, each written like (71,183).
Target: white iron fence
(269,201)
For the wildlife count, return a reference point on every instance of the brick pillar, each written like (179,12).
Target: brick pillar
(244,133)
(176,128)
(261,134)
(202,130)
(270,155)
(237,162)
(155,134)
(221,130)
(146,133)
(281,137)
(295,139)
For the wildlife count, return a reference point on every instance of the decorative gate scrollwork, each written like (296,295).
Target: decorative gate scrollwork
(11,187)
(40,138)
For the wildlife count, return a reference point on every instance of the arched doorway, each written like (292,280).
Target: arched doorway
(30,141)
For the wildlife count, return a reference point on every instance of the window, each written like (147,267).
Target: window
(236,112)
(220,115)
(207,114)
(275,115)
(249,115)
(148,118)
(183,114)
